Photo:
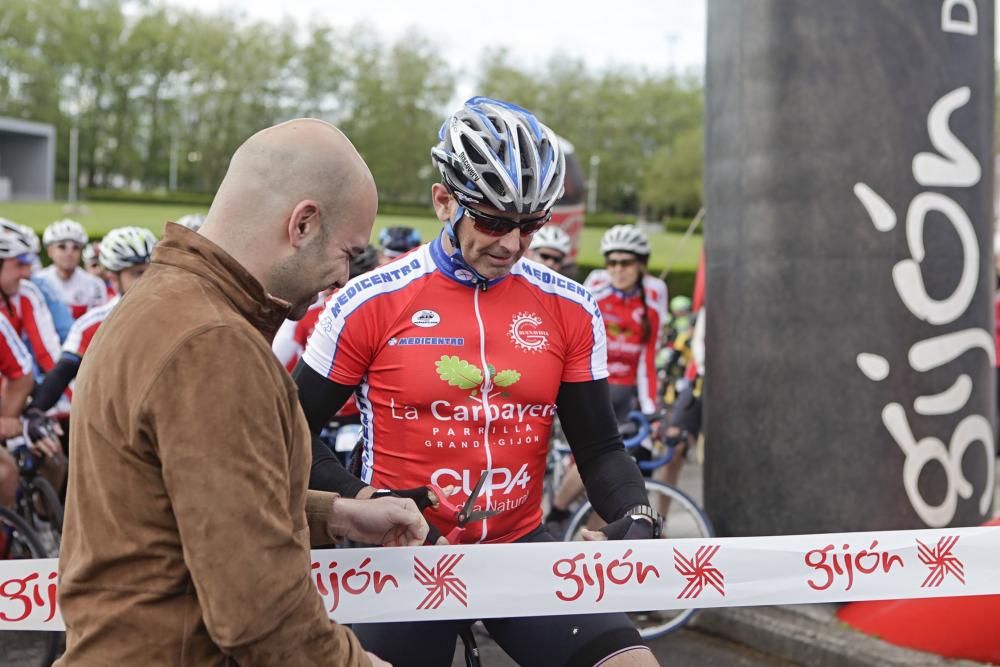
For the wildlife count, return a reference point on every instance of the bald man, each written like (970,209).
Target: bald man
(188,520)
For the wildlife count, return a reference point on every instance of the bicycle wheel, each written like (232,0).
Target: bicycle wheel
(42,507)
(684,519)
(19,541)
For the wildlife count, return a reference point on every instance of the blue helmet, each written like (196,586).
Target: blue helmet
(394,241)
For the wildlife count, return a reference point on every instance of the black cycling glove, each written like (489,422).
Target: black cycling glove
(641,523)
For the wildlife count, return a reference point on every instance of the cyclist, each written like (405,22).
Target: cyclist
(125,255)
(61,318)
(633,305)
(64,241)
(550,246)
(396,241)
(23,303)
(16,369)
(92,259)
(459,354)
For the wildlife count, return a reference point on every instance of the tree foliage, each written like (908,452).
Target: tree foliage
(144,81)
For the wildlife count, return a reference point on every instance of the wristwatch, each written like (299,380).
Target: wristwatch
(646,513)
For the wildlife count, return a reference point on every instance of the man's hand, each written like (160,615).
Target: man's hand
(389,521)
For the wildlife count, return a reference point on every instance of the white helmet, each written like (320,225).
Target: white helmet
(194,221)
(32,236)
(625,238)
(65,230)
(497,153)
(14,242)
(552,237)
(126,246)
(91,253)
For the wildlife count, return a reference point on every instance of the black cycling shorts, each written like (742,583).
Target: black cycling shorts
(549,641)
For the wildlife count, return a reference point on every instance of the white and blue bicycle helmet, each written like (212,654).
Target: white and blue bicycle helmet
(497,153)
(124,247)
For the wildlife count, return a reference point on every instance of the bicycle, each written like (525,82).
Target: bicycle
(558,461)
(682,518)
(37,502)
(18,541)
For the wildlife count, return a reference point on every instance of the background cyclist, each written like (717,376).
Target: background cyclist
(64,241)
(16,366)
(462,322)
(633,305)
(550,245)
(125,254)
(396,241)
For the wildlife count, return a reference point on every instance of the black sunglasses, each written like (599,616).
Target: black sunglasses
(496,226)
(545,257)
(625,263)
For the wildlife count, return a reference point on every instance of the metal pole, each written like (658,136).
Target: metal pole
(595,161)
(173,161)
(74,136)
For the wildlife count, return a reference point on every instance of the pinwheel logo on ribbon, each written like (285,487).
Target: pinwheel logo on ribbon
(440,581)
(699,572)
(941,561)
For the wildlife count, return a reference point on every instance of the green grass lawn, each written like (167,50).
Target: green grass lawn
(99,217)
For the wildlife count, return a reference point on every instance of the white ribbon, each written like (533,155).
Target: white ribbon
(483,581)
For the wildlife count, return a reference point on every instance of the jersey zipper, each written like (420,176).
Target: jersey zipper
(485,400)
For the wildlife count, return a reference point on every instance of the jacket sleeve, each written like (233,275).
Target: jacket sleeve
(221,431)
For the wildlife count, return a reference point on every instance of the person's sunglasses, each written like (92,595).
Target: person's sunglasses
(67,246)
(624,263)
(555,259)
(496,226)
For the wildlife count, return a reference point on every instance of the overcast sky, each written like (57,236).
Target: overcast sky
(655,34)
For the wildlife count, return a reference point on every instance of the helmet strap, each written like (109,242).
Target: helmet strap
(451,228)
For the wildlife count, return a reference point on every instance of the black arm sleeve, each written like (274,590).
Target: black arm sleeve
(320,398)
(52,387)
(614,484)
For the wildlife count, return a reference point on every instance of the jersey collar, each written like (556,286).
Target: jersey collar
(457,269)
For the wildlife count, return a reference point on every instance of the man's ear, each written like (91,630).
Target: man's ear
(303,222)
(444,203)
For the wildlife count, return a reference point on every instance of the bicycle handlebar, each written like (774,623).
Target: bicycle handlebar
(637,429)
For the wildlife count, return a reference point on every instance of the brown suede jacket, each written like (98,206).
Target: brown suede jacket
(186,540)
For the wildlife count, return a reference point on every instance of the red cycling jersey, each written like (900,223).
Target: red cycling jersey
(29,315)
(15,360)
(454,380)
(83,329)
(631,360)
(290,342)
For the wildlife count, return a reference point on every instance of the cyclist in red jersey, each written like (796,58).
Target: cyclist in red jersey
(125,254)
(459,354)
(16,367)
(633,305)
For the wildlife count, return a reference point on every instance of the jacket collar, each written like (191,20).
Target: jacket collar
(192,252)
